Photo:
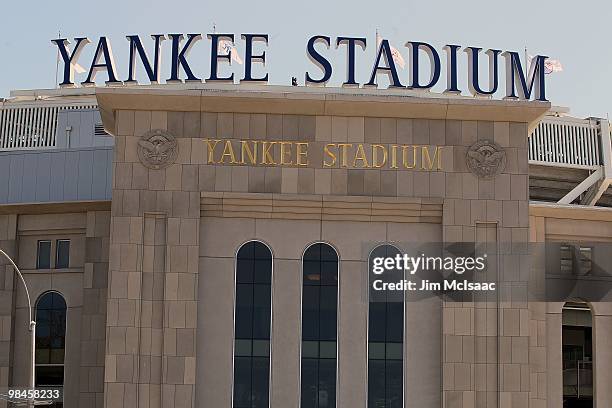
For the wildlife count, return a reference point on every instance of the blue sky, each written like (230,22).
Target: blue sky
(576,33)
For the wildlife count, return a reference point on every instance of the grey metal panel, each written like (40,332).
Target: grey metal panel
(16,177)
(74,121)
(85,175)
(71,174)
(86,130)
(98,185)
(5,170)
(58,160)
(43,177)
(62,122)
(56,175)
(28,186)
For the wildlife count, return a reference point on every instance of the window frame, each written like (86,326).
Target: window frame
(403,360)
(337,359)
(57,248)
(269,356)
(38,242)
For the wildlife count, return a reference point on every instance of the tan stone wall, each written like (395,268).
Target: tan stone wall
(83,285)
(164,205)
(565,223)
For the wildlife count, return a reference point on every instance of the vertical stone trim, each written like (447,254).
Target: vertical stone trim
(151,316)
(8,242)
(93,317)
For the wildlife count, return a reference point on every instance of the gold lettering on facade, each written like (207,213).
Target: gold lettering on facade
(251,153)
(285,147)
(360,155)
(228,151)
(211,149)
(301,154)
(394,157)
(344,147)
(405,160)
(343,155)
(427,158)
(375,159)
(266,156)
(332,155)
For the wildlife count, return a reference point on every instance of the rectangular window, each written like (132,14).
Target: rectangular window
(62,256)
(43,255)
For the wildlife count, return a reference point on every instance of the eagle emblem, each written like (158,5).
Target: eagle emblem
(157,149)
(486,159)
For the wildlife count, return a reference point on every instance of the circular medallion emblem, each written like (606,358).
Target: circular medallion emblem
(486,159)
(157,149)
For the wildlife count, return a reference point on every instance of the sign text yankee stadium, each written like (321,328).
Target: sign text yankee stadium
(343,155)
(524,80)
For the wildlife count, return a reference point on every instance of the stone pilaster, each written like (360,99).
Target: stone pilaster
(152,299)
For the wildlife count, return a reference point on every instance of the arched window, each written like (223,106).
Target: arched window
(50,340)
(319,326)
(252,326)
(385,338)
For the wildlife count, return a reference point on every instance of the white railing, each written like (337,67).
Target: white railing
(31,126)
(566,142)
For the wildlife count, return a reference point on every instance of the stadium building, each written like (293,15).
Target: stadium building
(205,246)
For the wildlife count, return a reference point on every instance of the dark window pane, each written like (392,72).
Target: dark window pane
(327,349)
(244,311)
(42,355)
(247,251)
(329,273)
(328,253)
(263,271)
(261,348)
(310,313)
(377,321)
(376,351)
(62,257)
(260,384)
(43,257)
(327,313)
(310,349)
(310,373)
(261,312)
(327,383)
(394,351)
(242,382)
(49,376)
(56,356)
(261,251)
(395,321)
(395,379)
(313,253)
(244,270)
(312,273)
(243,348)
(376,384)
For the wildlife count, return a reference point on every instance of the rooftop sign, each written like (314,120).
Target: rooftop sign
(522,83)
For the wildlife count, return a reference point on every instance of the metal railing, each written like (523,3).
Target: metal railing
(566,142)
(31,126)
